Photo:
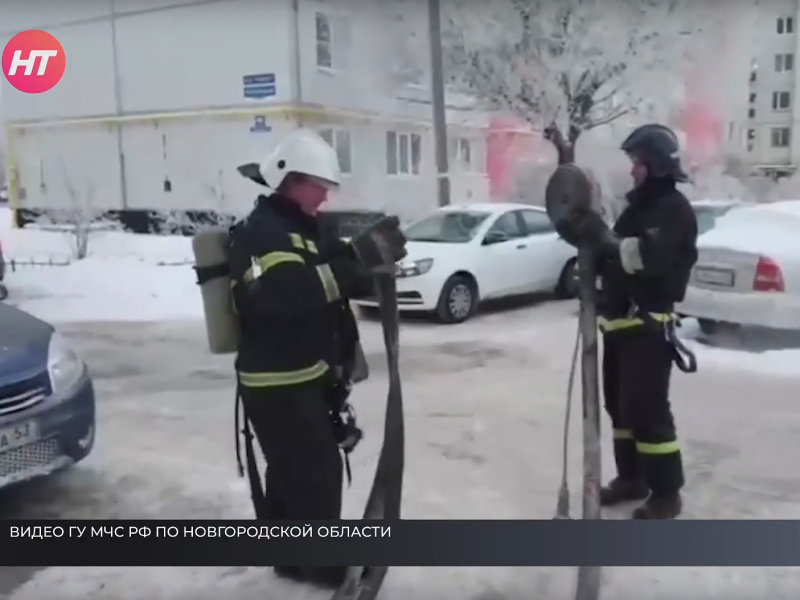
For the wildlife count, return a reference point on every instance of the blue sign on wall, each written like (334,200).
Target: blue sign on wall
(260,125)
(259,86)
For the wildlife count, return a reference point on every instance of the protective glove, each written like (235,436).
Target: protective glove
(331,246)
(381,246)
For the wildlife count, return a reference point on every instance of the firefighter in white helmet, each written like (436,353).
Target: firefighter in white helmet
(298,334)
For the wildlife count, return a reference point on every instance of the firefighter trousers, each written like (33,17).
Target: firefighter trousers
(304,465)
(636,377)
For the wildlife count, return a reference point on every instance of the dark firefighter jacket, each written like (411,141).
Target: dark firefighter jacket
(290,289)
(664,222)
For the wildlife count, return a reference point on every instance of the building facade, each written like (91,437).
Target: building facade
(773,113)
(162,99)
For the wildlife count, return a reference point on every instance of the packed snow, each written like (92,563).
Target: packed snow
(485,403)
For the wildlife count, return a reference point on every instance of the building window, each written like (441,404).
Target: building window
(339,140)
(785,25)
(465,154)
(752,98)
(403,153)
(781,100)
(780,137)
(324,41)
(751,113)
(784,62)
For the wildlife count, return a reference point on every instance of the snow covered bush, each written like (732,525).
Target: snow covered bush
(79,219)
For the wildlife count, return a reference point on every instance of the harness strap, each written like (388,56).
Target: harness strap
(254,479)
(683,358)
(348,471)
(238,406)
(206,274)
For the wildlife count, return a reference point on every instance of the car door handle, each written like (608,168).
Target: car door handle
(520,246)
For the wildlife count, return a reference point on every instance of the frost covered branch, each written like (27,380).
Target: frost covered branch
(569,66)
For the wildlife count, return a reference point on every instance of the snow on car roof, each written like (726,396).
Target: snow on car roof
(783,208)
(786,207)
(760,228)
(491,207)
(718,203)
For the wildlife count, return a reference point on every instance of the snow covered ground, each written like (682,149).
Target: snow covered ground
(485,403)
(125,276)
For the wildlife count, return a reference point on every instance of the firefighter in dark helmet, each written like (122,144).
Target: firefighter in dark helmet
(291,288)
(645,267)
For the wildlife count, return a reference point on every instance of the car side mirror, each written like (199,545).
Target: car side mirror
(495,237)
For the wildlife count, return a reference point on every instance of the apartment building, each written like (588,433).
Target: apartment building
(162,99)
(773,113)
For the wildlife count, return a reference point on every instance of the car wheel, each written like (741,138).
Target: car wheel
(3,292)
(458,300)
(711,327)
(569,281)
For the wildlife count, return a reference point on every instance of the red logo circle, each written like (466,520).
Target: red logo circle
(34,61)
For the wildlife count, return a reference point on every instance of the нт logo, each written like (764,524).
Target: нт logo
(34,61)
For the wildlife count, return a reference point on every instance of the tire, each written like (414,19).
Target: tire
(458,300)
(567,287)
(711,327)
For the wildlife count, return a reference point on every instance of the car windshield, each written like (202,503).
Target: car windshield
(450,227)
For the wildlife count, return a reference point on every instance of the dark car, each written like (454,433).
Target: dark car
(47,404)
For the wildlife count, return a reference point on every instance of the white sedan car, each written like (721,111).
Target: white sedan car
(748,270)
(462,254)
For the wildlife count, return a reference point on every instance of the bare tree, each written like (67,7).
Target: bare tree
(80,218)
(568,66)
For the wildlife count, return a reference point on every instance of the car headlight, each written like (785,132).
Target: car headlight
(414,268)
(64,366)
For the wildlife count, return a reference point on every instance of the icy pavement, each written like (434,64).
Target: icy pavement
(485,402)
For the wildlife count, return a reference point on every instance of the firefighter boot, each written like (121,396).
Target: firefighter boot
(664,473)
(660,507)
(621,490)
(327,577)
(629,484)
(298,574)
(323,577)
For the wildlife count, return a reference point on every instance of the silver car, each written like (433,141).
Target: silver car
(748,270)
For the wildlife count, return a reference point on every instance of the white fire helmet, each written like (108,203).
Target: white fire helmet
(303,151)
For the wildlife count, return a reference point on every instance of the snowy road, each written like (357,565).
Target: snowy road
(485,402)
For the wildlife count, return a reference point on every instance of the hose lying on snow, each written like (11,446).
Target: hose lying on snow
(562,506)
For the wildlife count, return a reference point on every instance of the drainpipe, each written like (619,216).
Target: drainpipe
(297,63)
(438,98)
(123,179)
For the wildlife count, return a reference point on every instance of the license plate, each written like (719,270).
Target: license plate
(722,277)
(19,435)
